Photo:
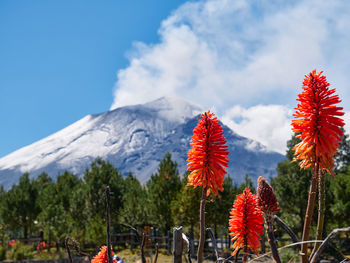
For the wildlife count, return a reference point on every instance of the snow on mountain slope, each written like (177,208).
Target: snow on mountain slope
(120,132)
(134,139)
(245,155)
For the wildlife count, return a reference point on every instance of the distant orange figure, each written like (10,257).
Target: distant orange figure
(208,155)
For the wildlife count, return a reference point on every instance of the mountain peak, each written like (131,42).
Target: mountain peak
(174,108)
(134,139)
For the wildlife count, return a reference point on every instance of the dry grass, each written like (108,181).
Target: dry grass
(135,257)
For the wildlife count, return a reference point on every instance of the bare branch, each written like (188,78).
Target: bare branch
(290,245)
(213,240)
(76,248)
(133,229)
(236,256)
(143,259)
(157,251)
(325,242)
(287,229)
(68,249)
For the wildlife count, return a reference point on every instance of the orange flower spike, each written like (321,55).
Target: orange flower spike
(102,256)
(316,120)
(208,155)
(246,222)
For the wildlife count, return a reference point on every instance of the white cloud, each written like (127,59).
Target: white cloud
(223,53)
(268,124)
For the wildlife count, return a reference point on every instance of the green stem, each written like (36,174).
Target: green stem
(245,254)
(271,237)
(308,214)
(321,209)
(108,221)
(202,226)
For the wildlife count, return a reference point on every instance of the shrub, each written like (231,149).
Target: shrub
(20,251)
(2,253)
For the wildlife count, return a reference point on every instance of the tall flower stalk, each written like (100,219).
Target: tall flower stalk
(319,129)
(246,224)
(207,159)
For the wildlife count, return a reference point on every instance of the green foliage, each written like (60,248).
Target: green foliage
(4,237)
(218,210)
(2,253)
(19,206)
(76,207)
(20,251)
(135,210)
(185,208)
(97,178)
(291,188)
(342,158)
(247,183)
(162,190)
(55,203)
(340,207)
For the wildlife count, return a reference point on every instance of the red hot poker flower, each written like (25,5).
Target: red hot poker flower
(208,155)
(102,256)
(267,200)
(317,122)
(246,222)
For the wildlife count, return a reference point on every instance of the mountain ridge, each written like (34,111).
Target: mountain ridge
(134,139)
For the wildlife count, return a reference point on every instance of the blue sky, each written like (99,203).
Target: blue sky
(61,60)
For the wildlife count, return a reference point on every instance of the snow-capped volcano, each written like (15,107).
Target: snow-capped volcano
(134,139)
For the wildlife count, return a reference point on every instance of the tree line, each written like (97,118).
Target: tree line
(74,206)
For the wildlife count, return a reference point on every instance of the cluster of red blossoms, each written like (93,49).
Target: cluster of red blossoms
(319,128)
(317,122)
(42,245)
(102,256)
(208,155)
(246,222)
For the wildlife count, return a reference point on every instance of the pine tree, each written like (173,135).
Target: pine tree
(56,206)
(247,183)
(291,189)
(163,188)
(186,205)
(342,158)
(218,210)
(19,206)
(135,209)
(97,178)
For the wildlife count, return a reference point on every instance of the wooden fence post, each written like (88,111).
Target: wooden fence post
(178,245)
